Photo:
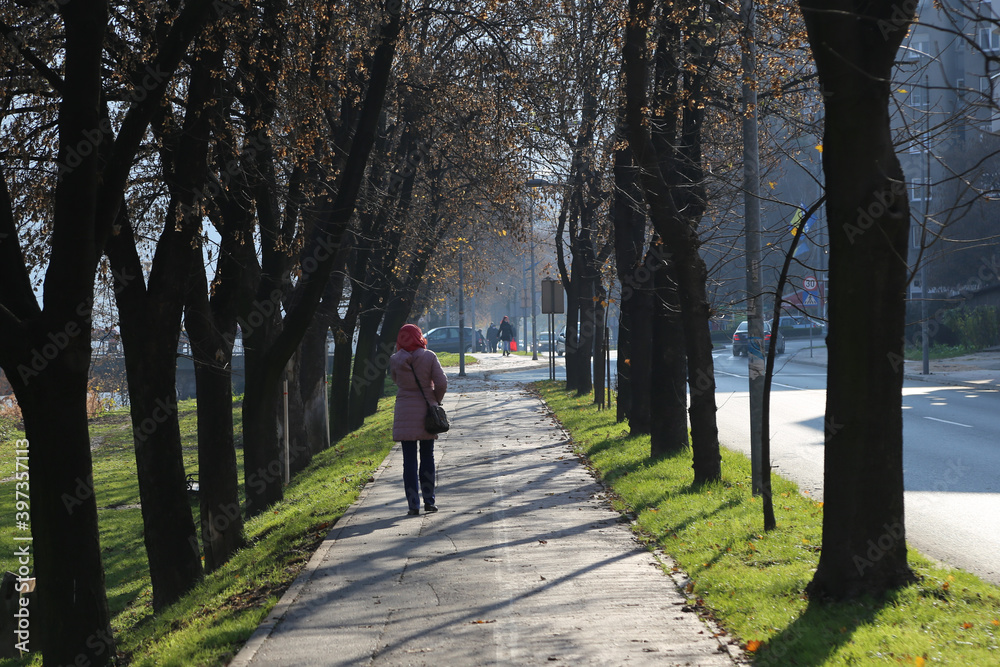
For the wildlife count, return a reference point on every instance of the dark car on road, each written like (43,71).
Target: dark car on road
(742,333)
(445,339)
(560,339)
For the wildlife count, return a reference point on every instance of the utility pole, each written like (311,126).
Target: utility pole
(461,317)
(534,305)
(751,215)
(534,183)
(925,345)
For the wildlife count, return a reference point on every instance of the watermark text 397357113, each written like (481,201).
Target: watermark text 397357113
(22,546)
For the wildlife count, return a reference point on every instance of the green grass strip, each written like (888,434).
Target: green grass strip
(753,583)
(452,359)
(913,353)
(211,623)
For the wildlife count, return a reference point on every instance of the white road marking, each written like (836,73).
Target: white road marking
(945,421)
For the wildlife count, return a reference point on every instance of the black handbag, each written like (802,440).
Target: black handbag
(436,419)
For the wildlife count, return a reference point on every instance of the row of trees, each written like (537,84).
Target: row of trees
(309,156)
(669,111)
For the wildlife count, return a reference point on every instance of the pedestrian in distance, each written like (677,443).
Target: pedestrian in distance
(491,338)
(506,334)
(419,380)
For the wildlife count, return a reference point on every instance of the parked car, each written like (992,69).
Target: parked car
(742,333)
(799,321)
(560,340)
(445,339)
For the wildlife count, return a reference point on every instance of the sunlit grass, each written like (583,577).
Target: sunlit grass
(452,359)
(211,623)
(753,582)
(915,353)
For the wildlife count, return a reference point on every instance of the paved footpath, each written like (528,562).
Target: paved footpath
(525,563)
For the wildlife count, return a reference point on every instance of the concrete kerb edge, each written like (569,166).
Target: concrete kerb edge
(933,377)
(681,579)
(941,379)
(277,614)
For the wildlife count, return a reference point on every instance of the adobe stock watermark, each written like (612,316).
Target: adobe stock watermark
(640,278)
(234,167)
(375,367)
(893,534)
(261,311)
(259,479)
(162,410)
(23,540)
(901,17)
(55,343)
(883,201)
(221,519)
(75,154)
(953,472)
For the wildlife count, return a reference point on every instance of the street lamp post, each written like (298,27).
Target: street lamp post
(533,183)
(534,308)
(461,317)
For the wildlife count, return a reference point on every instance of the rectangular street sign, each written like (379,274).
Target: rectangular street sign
(552,296)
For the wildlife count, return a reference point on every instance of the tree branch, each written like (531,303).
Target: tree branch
(17,294)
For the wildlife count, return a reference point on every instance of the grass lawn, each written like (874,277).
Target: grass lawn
(452,359)
(913,353)
(211,623)
(753,583)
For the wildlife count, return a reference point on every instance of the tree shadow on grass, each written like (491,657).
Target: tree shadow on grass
(824,627)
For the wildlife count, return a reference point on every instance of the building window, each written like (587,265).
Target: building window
(918,190)
(988,40)
(985,87)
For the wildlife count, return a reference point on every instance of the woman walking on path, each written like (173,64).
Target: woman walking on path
(411,363)
(506,333)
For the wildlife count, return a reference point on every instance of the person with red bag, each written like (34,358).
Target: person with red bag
(419,380)
(506,334)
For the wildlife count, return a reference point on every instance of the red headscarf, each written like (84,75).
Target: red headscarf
(410,338)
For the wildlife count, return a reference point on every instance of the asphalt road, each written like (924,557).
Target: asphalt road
(951,454)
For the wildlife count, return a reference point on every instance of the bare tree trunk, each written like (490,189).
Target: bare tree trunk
(634,273)
(640,364)
(668,374)
(340,376)
(584,333)
(218,474)
(864,539)
(600,324)
(313,387)
(168,525)
(72,613)
(366,371)
(263,456)
(623,372)
(668,152)
(291,387)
